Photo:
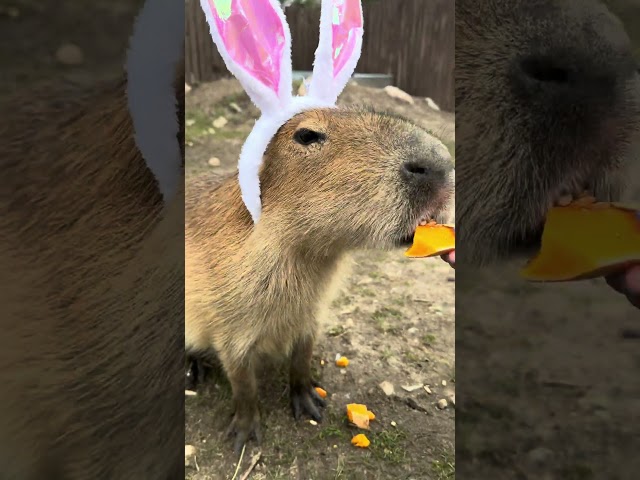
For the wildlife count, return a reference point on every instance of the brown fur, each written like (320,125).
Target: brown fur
(518,145)
(256,291)
(92,294)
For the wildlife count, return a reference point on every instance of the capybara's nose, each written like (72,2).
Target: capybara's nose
(580,68)
(429,170)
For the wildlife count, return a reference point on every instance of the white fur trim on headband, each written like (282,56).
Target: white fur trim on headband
(256,144)
(156,47)
(323,84)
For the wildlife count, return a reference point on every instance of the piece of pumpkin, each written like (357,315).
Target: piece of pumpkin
(581,241)
(342,362)
(359,415)
(360,440)
(432,240)
(321,392)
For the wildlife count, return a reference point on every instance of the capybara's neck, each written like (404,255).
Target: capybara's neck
(275,257)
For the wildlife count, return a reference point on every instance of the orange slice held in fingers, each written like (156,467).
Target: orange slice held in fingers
(586,239)
(432,239)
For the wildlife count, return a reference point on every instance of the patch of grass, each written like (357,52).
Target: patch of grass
(377,275)
(412,357)
(367,292)
(400,301)
(428,339)
(382,316)
(386,354)
(388,445)
(335,331)
(386,313)
(445,467)
(332,431)
(197,125)
(342,301)
(230,134)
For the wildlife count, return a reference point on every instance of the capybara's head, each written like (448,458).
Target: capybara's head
(546,108)
(353,178)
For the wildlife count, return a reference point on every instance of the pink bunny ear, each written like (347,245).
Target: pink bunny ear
(339,47)
(253,39)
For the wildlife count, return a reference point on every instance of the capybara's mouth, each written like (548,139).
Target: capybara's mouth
(407,240)
(531,242)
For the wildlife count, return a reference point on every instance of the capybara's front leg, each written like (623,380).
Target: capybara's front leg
(304,397)
(246,419)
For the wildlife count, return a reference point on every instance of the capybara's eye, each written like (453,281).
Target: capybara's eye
(304,136)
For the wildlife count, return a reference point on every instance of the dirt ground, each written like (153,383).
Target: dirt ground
(394,320)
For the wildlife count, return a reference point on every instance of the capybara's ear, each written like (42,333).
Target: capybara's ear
(254,41)
(339,47)
(155,73)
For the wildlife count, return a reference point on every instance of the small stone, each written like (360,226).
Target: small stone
(395,92)
(235,107)
(432,104)
(214,162)
(210,131)
(444,383)
(190,393)
(190,456)
(69,54)
(540,456)
(335,446)
(394,424)
(190,122)
(343,371)
(427,389)
(387,388)
(187,88)
(442,404)
(220,122)
(321,362)
(412,388)
(313,422)
(412,331)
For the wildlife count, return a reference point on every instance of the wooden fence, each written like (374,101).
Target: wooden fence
(413,40)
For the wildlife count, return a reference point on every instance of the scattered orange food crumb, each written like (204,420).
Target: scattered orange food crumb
(321,392)
(359,415)
(360,440)
(342,362)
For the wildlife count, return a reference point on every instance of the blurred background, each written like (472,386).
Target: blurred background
(54,39)
(407,43)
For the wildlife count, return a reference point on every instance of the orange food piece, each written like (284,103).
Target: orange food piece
(359,415)
(432,240)
(342,362)
(321,392)
(582,241)
(360,440)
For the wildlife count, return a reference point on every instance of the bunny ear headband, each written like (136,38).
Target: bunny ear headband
(253,39)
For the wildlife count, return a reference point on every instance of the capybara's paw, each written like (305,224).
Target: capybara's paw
(306,400)
(244,427)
